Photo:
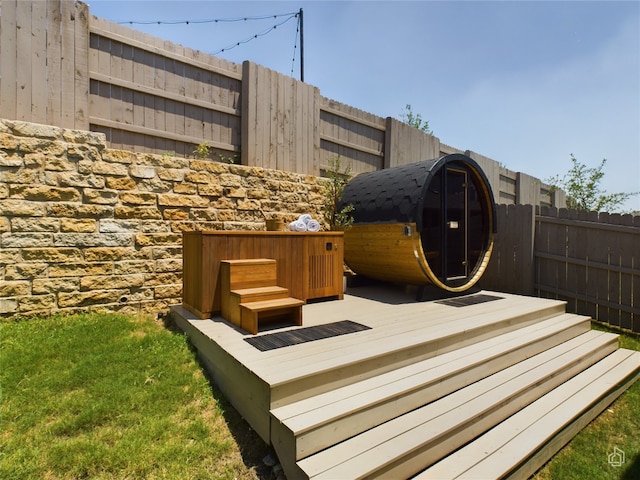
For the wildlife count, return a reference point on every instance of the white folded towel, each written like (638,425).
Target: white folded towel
(297,226)
(313,225)
(305,218)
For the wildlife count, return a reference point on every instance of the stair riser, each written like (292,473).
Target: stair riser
(347,373)
(260,297)
(248,273)
(414,461)
(373,414)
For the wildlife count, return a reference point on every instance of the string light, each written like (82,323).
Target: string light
(195,22)
(255,36)
(228,20)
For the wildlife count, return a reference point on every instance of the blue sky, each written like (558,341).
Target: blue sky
(526,83)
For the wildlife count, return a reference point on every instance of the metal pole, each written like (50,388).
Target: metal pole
(301,47)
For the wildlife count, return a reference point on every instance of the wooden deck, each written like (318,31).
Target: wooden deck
(399,399)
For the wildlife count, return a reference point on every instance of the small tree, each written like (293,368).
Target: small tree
(337,219)
(582,185)
(415,120)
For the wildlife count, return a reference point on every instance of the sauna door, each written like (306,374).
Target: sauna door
(455,224)
(445,224)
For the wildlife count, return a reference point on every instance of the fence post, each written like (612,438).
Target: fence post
(404,144)
(527,189)
(80,21)
(528,249)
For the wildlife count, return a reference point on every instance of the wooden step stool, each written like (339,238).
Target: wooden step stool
(249,293)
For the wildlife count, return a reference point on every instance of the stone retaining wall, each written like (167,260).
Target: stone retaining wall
(83,227)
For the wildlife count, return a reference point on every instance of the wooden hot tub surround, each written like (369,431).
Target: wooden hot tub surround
(309,264)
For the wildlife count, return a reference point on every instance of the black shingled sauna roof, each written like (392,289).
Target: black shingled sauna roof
(396,195)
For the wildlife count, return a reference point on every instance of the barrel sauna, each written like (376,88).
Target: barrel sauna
(430,222)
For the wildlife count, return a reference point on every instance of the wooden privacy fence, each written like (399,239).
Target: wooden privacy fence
(61,66)
(589,259)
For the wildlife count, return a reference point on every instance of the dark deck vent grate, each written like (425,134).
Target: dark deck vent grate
(469,300)
(297,336)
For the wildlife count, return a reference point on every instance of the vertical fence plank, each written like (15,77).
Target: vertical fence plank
(67,71)
(193,120)
(602,256)
(283,121)
(149,99)
(80,84)
(116,92)
(546,267)
(23,67)
(635,278)
(126,73)
(171,85)
(527,247)
(573,272)
(296,92)
(627,253)
(159,121)
(507,265)
(38,61)
(489,279)
(313,130)
(8,59)
(53,56)
(248,114)
(585,284)
(262,88)
(615,257)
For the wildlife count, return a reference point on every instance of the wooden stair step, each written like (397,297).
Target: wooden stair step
(527,440)
(258,294)
(252,312)
(337,369)
(273,304)
(307,426)
(403,446)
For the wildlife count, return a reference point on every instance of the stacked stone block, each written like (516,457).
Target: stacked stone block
(83,227)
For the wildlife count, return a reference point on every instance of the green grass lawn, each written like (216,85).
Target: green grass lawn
(116,397)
